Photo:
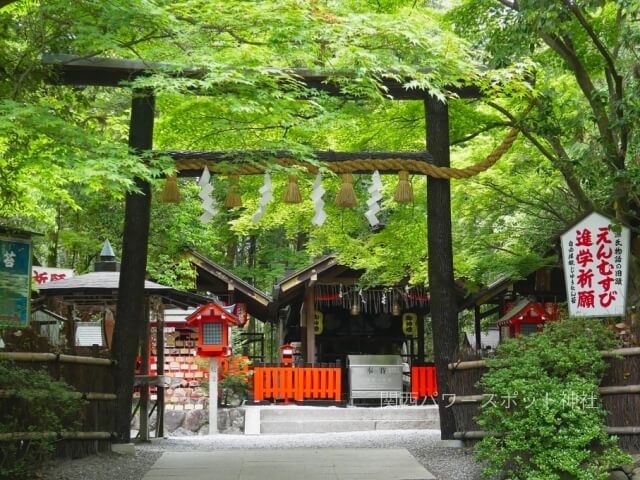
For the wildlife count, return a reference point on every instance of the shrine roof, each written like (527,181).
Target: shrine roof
(223,281)
(102,287)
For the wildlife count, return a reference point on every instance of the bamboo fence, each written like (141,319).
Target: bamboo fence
(619,389)
(92,379)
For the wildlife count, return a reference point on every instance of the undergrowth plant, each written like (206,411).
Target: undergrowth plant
(35,402)
(542,408)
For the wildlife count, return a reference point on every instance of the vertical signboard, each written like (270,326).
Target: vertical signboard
(596,263)
(15,282)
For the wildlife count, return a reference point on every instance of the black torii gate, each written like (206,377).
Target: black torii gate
(80,71)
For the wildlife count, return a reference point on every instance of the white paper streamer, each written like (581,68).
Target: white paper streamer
(205,195)
(318,204)
(266,197)
(375,195)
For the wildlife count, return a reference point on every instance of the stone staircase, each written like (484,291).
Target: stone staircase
(302,419)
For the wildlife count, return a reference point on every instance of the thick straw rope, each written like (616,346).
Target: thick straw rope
(371,164)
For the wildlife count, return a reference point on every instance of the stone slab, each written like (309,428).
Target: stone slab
(451,443)
(290,464)
(252,421)
(124,449)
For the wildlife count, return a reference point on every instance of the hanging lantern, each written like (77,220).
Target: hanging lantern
(355,306)
(404,190)
(233,199)
(395,308)
(292,195)
(346,197)
(410,324)
(318,323)
(170,192)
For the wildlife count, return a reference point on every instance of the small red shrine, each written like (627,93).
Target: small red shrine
(213,322)
(525,317)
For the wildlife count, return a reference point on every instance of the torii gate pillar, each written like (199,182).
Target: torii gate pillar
(444,311)
(130,312)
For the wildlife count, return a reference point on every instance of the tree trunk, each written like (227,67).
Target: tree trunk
(444,312)
(130,313)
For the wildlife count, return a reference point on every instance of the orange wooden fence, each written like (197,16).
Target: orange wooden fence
(423,381)
(297,383)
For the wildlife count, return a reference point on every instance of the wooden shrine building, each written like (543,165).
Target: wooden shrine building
(88,303)
(511,303)
(229,288)
(323,308)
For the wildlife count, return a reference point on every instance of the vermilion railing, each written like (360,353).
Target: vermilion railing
(423,381)
(297,383)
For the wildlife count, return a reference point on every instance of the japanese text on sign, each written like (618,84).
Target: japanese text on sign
(595,263)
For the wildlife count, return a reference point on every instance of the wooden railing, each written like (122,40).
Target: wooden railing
(423,381)
(297,383)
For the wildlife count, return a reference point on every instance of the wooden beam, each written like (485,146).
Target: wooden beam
(480,434)
(310,313)
(160,404)
(144,370)
(477,327)
(613,390)
(55,357)
(112,72)
(620,352)
(442,304)
(130,312)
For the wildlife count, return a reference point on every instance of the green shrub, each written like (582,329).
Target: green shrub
(542,406)
(37,403)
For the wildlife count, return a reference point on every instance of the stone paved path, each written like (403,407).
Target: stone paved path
(290,464)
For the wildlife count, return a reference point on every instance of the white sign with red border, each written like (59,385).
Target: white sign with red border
(50,274)
(596,266)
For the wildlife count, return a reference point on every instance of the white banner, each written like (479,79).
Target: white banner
(49,274)
(596,266)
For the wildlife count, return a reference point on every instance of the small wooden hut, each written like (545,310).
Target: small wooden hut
(88,302)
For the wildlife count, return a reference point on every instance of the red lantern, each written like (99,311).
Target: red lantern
(213,322)
(287,351)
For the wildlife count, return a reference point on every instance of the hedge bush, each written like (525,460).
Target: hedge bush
(542,407)
(37,403)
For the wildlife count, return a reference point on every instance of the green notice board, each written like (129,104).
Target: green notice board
(15,282)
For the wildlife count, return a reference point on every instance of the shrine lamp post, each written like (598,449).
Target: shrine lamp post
(213,322)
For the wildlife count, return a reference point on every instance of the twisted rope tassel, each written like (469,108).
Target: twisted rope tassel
(404,190)
(292,195)
(170,193)
(233,199)
(346,197)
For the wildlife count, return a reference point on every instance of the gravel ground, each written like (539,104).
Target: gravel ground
(444,463)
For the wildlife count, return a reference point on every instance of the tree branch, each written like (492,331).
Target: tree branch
(594,38)
(544,206)
(219,29)
(618,87)
(562,163)
(486,128)
(525,131)
(563,48)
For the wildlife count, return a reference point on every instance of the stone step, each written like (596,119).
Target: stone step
(284,413)
(297,419)
(328,426)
